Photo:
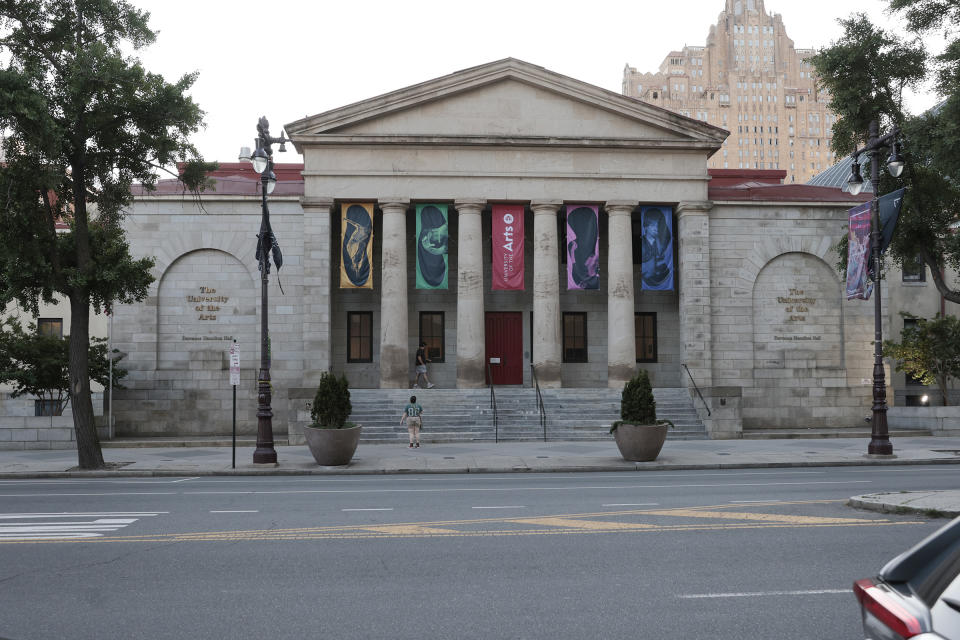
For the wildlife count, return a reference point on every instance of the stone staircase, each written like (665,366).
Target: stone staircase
(464,415)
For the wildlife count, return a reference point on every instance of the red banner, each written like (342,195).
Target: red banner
(508,247)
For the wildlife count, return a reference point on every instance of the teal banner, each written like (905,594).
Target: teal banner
(432,238)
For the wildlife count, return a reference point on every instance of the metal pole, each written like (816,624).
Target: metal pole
(234,426)
(264,453)
(879,436)
(110,389)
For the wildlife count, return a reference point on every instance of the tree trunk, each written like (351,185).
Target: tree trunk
(89,454)
(942,383)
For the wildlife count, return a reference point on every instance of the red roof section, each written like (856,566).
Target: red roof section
(766,185)
(237,179)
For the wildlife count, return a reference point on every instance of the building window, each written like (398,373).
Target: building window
(50,327)
(645,325)
(575,337)
(914,270)
(360,336)
(45,407)
(431,332)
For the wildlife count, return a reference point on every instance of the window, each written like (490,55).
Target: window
(645,324)
(431,332)
(575,337)
(45,407)
(914,270)
(50,327)
(360,336)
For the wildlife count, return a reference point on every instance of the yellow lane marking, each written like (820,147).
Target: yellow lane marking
(759,517)
(404,529)
(573,523)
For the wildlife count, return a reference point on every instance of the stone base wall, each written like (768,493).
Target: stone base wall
(42,432)
(725,420)
(942,421)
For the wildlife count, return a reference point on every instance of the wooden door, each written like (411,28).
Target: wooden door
(504,336)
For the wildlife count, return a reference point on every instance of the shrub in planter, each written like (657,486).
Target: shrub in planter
(331,439)
(331,404)
(638,434)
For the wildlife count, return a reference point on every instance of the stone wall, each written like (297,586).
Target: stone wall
(781,328)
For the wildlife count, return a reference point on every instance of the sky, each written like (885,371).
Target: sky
(287,59)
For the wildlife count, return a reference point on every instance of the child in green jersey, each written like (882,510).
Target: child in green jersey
(411,413)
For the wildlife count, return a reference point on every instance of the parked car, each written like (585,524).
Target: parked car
(917,594)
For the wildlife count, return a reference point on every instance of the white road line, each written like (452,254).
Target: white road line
(747,501)
(238,511)
(55,526)
(64,514)
(757,594)
(632,504)
(381,509)
(507,506)
(182,480)
(109,493)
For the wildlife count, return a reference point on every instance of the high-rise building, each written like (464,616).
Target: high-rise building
(752,81)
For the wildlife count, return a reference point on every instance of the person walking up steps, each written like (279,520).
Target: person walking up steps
(411,413)
(422,361)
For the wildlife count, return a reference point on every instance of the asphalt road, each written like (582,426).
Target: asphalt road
(686,555)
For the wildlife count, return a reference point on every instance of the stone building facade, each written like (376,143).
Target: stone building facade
(749,79)
(756,314)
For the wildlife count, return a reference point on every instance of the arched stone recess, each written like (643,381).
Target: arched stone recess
(205,298)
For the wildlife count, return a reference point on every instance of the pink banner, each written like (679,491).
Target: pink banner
(583,247)
(858,253)
(508,247)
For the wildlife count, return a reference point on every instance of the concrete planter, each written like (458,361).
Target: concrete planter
(332,447)
(640,442)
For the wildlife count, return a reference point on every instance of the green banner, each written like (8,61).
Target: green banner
(432,246)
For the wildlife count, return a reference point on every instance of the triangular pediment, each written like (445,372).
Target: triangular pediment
(508,98)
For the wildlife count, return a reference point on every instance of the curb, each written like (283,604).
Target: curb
(483,468)
(871,502)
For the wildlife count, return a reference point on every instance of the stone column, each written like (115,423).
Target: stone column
(394,324)
(546,293)
(471,348)
(317,277)
(696,341)
(621,338)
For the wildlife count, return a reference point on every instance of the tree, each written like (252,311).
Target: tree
(85,121)
(929,351)
(38,364)
(866,72)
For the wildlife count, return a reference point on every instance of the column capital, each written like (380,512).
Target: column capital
(694,206)
(620,207)
(316,203)
(469,205)
(545,207)
(393,203)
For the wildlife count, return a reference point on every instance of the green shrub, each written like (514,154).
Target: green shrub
(637,405)
(331,406)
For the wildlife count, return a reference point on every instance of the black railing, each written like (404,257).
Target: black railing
(543,412)
(695,388)
(493,405)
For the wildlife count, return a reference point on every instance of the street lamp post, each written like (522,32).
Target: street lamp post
(262,159)
(879,435)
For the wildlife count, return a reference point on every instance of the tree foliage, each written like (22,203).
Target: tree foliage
(929,351)
(37,364)
(84,121)
(866,73)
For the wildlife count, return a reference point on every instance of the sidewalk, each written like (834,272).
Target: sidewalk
(513,457)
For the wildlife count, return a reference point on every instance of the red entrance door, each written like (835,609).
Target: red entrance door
(504,336)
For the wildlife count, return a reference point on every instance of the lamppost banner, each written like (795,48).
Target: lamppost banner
(432,235)
(356,247)
(508,247)
(583,247)
(858,253)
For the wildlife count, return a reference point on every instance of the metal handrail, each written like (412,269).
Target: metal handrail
(540,407)
(697,389)
(493,405)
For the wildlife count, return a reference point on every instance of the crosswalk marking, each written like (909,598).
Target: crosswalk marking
(65,526)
